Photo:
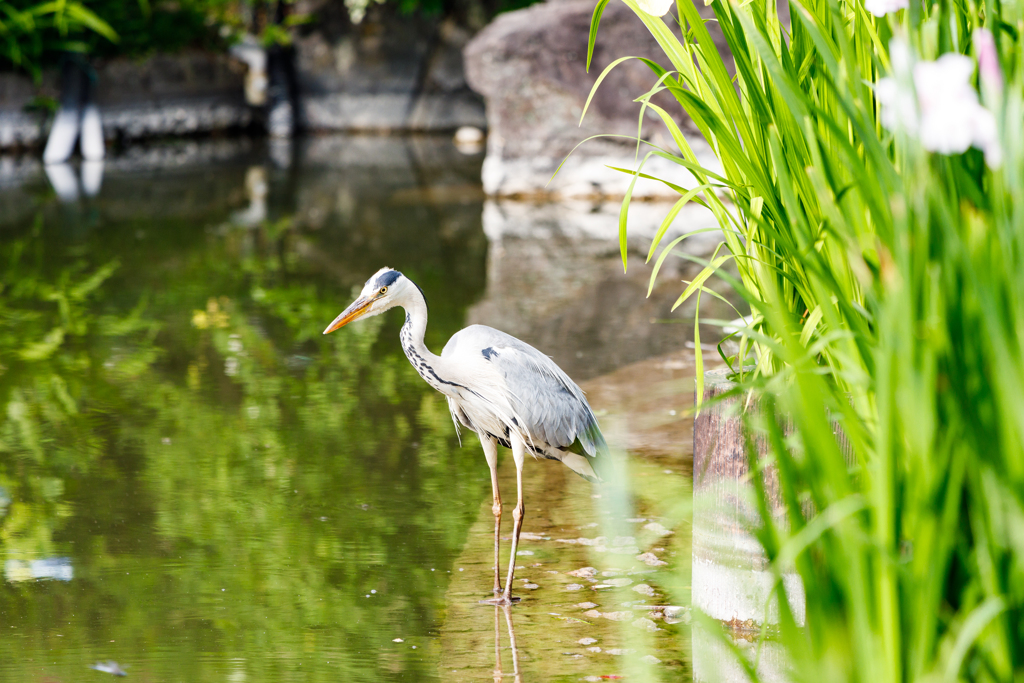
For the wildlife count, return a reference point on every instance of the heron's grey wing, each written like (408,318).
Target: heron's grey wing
(553,407)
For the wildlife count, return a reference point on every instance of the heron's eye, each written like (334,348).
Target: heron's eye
(383,291)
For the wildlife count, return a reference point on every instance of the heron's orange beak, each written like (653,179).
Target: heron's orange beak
(353,312)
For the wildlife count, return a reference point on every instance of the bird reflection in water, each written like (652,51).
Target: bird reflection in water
(498,673)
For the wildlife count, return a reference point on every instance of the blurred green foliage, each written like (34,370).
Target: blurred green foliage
(30,31)
(34,34)
(143,27)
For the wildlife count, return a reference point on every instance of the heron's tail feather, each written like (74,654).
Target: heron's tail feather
(580,464)
(593,440)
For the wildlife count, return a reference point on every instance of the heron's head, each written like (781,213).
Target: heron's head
(386,289)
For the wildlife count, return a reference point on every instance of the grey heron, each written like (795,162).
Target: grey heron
(502,388)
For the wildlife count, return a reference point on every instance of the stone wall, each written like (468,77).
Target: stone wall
(189,93)
(391,72)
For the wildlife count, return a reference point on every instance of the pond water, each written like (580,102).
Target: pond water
(199,486)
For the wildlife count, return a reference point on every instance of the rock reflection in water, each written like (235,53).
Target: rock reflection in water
(714,657)
(555,280)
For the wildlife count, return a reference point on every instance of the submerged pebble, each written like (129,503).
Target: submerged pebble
(644,589)
(599,541)
(673,610)
(583,573)
(587,641)
(651,560)
(617,616)
(657,529)
(618,550)
(574,587)
(645,624)
(571,620)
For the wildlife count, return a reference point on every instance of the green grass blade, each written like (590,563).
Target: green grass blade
(595,22)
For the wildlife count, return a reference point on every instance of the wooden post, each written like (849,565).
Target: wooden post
(731,578)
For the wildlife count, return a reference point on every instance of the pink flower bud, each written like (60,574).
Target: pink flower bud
(988,60)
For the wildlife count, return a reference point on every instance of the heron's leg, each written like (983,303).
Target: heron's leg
(491,453)
(519,455)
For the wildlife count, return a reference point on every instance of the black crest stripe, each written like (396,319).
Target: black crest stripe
(387,279)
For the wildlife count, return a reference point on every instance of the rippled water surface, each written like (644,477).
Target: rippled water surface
(199,486)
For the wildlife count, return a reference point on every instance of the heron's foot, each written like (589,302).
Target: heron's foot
(501,600)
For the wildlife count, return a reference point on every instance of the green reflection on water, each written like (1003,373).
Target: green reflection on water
(227,485)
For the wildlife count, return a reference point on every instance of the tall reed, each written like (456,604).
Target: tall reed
(883,271)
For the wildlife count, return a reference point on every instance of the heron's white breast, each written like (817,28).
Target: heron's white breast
(482,418)
(484,397)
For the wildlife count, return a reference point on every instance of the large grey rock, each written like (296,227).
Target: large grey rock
(530,65)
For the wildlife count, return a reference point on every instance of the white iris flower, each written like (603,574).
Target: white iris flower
(882,7)
(942,109)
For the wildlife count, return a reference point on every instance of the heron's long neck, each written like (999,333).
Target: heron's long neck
(426,363)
